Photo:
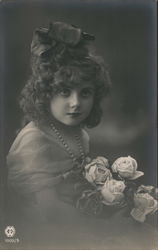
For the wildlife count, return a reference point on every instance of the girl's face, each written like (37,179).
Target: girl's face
(71,106)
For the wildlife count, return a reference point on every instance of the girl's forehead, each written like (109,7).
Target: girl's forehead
(72,76)
(81,83)
(79,86)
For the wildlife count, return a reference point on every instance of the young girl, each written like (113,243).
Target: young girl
(46,160)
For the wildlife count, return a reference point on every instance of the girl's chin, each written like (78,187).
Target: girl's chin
(69,123)
(72,124)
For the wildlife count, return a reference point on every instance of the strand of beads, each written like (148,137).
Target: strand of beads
(68,149)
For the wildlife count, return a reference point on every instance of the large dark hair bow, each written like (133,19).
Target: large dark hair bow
(46,39)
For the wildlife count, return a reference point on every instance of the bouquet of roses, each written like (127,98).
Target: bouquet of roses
(114,188)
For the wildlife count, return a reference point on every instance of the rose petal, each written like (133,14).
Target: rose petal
(89,178)
(143,188)
(138,215)
(136,175)
(108,196)
(102,160)
(88,166)
(114,167)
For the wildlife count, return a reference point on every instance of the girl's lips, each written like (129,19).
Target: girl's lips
(74,114)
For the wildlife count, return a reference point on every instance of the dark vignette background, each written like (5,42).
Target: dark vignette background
(125,34)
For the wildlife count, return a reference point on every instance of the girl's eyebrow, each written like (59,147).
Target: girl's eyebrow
(88,87)
(78,86)
(65,87)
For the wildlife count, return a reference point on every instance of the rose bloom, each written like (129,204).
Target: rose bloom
(144,204)
(112,192)
(126,167)
(145,189)
(148,189)
(96,171)
(156,194)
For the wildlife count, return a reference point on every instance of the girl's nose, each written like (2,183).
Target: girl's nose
(74,100)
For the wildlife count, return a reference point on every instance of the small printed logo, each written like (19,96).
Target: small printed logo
(10,231)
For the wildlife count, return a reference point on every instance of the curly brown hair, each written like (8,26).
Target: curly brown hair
(58,67)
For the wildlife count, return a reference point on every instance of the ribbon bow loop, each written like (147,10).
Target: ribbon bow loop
(58,33)
(41,42)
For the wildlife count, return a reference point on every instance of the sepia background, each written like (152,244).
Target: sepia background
(125,34)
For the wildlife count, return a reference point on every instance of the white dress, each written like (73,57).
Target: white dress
(41,204)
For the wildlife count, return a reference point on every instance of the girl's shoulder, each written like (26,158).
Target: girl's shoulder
(29,128)
(28,135)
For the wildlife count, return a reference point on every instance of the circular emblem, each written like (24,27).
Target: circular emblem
(10,231)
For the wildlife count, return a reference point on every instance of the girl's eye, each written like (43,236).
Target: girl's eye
(65,92)
(87,92)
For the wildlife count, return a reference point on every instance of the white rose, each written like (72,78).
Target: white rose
(112,192)
(156,194)
(96,171)
(126,167)
(144,204)
(102,161)
(145,189)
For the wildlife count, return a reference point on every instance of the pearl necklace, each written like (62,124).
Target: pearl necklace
(77,162)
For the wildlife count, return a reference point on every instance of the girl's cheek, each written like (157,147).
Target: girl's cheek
(92,102)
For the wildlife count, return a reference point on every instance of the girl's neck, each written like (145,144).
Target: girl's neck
(63,127)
